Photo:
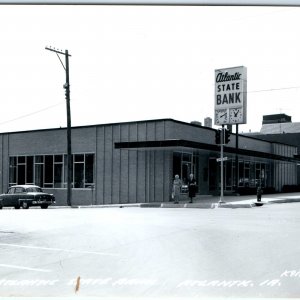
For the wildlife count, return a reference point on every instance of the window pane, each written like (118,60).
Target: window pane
(58,158)
(29,172)
(21,160)
(89,168)
(48,169)
(21,174)
(39,175)
(79,177)
(12,170)
(176,164)
(241,173)
(39,159)
(58,175)
(79,157)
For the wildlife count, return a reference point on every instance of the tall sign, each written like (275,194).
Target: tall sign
(231,96)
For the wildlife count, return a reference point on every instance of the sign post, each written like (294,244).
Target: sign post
(230,106)
(222,166)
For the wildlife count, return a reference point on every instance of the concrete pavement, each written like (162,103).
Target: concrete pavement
(209,202)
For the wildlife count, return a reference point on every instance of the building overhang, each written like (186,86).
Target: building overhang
(179,143)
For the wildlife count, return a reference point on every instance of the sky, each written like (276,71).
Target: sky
(131,63)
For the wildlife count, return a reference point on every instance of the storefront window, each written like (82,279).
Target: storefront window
(21,170)
(58,171)
(50,171)
(241,173)
(12,170)
(38,171)
(29,170)
(89,170)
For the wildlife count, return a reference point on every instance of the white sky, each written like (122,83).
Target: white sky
(134,63)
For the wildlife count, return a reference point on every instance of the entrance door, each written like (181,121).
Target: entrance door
(186,168)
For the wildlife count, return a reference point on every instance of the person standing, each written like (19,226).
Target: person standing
(176,189)
(192,185)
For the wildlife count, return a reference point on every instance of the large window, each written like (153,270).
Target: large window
(50,171)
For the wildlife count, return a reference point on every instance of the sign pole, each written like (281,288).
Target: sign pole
(236,158)
(222,166)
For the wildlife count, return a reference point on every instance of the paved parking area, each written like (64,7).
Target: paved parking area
(133,252)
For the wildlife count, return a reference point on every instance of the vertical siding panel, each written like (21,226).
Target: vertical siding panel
(124,166)
(107,164)
(159,177)
(100,159)
(151,160)
(167,175)
(141,163)
(151,176)
(133,165)
(116,162)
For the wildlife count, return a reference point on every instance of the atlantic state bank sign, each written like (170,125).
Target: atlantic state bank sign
(231,96)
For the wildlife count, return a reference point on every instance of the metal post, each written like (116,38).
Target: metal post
(236,158)
(222,166)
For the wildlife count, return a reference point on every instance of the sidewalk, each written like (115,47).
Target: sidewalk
(247,201)
(208,202)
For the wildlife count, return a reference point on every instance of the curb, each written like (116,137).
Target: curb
(186,205)
(231,205)
(284,201)
(205,205)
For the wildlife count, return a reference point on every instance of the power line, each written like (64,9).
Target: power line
(30,114)
(274,89)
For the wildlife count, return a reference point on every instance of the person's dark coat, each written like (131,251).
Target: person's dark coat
(192,187)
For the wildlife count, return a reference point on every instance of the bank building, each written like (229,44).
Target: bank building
(135,162)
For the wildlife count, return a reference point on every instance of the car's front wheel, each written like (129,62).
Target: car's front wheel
(25,205)
(44,206)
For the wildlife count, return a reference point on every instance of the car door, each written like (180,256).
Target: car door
(19,194)
(8,198)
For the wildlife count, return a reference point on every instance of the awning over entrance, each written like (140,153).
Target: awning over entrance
(174,143)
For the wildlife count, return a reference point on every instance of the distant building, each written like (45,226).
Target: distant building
(279,128)
(196,123)
(208,122)
(277,118)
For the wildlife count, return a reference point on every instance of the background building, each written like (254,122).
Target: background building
(280,128)
(135,162)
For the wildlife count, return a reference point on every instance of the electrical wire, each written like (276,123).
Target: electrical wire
(30,114)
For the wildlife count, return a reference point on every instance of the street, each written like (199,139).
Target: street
(151,252)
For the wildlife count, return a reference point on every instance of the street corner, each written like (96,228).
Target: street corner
(198,205)
(172,205)
(233,205)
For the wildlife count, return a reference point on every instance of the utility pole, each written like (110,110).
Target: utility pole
(69,141)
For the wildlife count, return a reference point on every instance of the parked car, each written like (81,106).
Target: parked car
(25,196)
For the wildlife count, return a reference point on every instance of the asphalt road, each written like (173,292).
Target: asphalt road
(151,252)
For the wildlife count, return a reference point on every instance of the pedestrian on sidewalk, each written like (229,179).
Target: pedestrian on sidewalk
(176,189)
(259,193)
(192,185)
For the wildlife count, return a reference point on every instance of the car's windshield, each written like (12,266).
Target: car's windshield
(34,190)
